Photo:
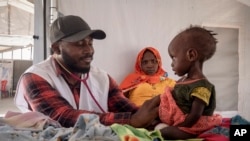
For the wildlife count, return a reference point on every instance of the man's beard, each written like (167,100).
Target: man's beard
(72,65)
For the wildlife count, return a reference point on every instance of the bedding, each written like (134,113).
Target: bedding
(34,126)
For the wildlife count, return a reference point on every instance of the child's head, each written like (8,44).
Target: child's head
(190,47)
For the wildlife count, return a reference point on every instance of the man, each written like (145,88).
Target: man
(66,84)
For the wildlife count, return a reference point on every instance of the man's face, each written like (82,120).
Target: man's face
(77,56)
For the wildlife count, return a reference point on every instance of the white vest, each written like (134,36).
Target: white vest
(97,81)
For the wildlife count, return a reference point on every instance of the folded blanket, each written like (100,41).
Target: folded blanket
(32,120)
(32,127)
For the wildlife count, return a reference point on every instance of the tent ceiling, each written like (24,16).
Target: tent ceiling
(21,4)
(9,42)
(17,24)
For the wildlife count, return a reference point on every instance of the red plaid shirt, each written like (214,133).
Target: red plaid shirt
(47,100)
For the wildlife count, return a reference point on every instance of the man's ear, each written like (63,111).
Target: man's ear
(192,54)
(55,48)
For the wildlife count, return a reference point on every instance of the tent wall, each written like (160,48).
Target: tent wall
(131,25)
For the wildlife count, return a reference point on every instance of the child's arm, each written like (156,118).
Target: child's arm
(195,113)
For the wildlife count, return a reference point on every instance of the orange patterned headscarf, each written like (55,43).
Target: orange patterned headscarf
(138,76)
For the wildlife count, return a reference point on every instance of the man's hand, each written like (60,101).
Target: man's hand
(146,114)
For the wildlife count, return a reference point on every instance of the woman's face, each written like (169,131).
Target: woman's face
(149,63)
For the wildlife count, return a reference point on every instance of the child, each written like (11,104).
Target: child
(188,108)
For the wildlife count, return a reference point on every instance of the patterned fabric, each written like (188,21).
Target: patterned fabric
(44,98)
(87,128)
(152,85)
(172,115)
(221,133)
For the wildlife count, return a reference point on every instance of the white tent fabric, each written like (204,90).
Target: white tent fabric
(131,25)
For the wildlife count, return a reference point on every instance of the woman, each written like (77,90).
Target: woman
(148,79)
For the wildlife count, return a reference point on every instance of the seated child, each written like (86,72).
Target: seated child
(188,108)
